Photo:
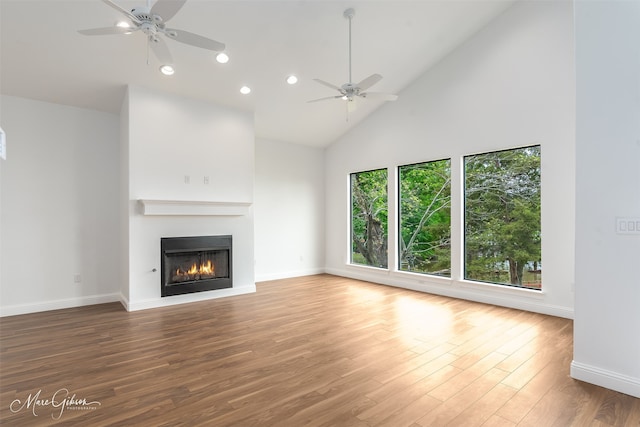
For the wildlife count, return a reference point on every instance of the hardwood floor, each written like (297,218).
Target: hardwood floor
(311,351)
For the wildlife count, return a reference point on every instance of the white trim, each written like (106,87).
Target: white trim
(605,378)
(13,310)
(368,268)
(187,207)
(290,274)
(495,287)
(188,298)
(424,278)
(124,301)
(432,279)
(454,290)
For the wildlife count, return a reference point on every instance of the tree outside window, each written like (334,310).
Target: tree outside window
(502,217)
(369,218)
(425,218)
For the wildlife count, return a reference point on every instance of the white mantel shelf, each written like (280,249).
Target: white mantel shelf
(186,207)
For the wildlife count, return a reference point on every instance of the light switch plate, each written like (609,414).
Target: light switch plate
(627,225)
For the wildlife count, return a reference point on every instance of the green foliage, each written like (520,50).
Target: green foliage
(369,218)
(502,215)
(425,218)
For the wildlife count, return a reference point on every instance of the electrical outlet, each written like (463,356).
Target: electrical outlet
(187,179)
(206,180)
(77,278)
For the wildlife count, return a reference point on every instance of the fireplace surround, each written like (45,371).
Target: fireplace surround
(195,264)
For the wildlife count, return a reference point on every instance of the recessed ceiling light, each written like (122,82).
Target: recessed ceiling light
(292,79)
(167,70)
(245,90)
(222,58)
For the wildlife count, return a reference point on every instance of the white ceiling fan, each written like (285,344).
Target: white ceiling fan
(350,91)
(152,22)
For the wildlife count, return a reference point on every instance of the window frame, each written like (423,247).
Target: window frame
(398,225)
(464,278)
(350,260)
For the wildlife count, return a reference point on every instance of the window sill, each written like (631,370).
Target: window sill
(367,268)
(423,278)
(529,293)
(419,280)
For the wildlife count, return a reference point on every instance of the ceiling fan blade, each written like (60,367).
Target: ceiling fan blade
(194,40)
(369,81)
(160,50)
(123,11)
(107,30)
(325,98)
(332,86)
(379,95)
(166,9)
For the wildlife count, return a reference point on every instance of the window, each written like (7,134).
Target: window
(502,217)
(425,218)
(369,218)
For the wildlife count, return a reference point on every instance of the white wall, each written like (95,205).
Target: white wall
(171,137)
(123,205)
(511,85)
(59,206)
(289,210)
(607,303)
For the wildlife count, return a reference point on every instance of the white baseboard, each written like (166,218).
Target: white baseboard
(14,310)
(186,298)
(438,286)
(289,274)
(605,378)
(124,301)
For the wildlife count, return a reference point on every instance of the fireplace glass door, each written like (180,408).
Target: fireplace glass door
(195,264)
(192,266)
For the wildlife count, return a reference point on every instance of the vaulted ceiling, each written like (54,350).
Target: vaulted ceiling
(43,57)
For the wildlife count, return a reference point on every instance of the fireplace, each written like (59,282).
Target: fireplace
(195,264)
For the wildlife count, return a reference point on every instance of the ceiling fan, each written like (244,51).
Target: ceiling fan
(350,91)
(152,22)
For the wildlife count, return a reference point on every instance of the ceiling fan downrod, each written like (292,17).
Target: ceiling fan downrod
(349,14)
(350,90)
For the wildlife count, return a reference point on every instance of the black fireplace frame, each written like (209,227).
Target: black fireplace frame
(194,243)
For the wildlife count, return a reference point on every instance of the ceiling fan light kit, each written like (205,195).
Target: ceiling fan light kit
(350,91)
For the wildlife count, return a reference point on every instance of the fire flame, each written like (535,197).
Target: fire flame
(202,269)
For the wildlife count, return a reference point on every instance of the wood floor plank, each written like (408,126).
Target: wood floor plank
(309,351)
(454,385)
(528,396)
(408,415)
(496,421)
(485,407)
(446,412)
(554,409)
